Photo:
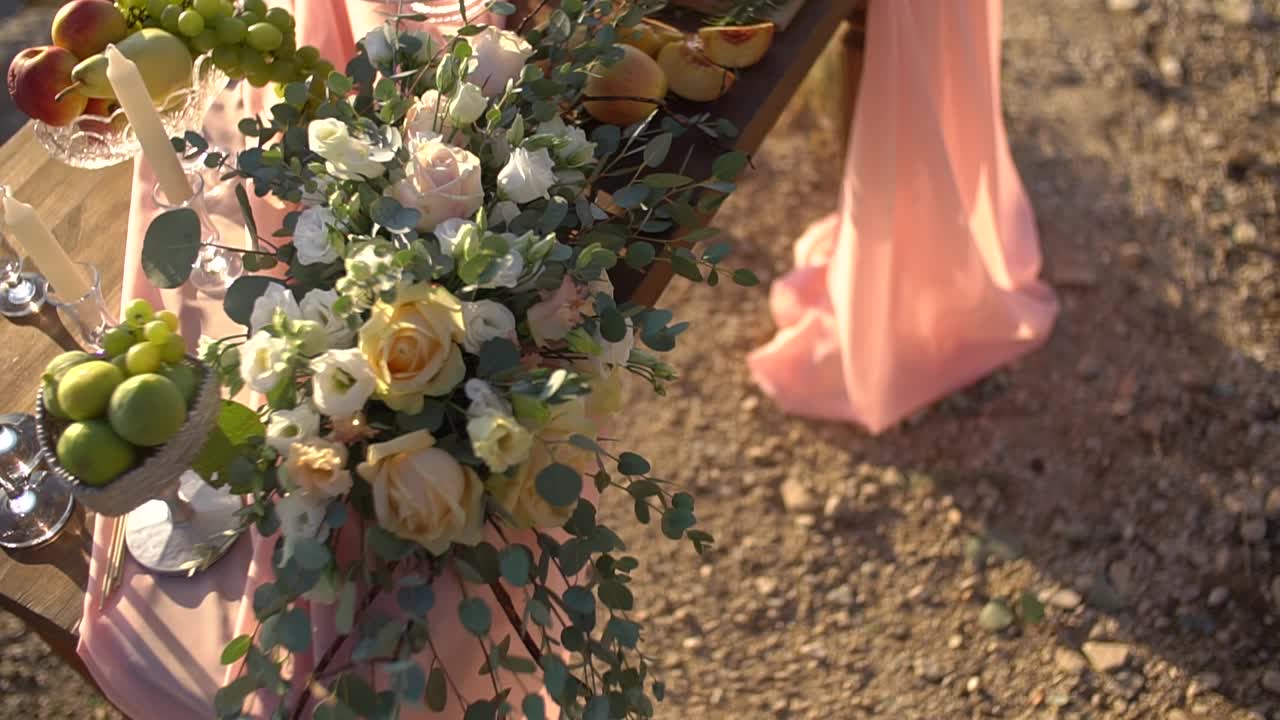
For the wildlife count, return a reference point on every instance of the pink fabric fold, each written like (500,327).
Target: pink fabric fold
(925,279)
(155,648)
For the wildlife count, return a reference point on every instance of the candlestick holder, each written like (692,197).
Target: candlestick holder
(32,510)
(86,317)
(21,293)
(216,267)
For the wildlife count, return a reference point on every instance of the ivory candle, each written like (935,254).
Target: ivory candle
(131,93)
(25,226)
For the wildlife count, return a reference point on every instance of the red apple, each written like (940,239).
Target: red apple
(36,76)
(86,27)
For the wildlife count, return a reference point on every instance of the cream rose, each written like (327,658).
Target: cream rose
(499,57)
(311,236)
(422,494)
(516,490)
(527,176)
(347,157)
(466,104)
(498,440)
(319,467)
(412,346)
(486,320)
(441,182)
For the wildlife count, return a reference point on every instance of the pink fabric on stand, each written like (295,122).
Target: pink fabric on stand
(155,648)
(925,280)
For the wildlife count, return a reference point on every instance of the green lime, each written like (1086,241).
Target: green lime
(186,378)
(53,372)
(147,410)
(143,358)
(117,341)
(169,319)
(157,331)
(85,390)
(93,452)
(121,361)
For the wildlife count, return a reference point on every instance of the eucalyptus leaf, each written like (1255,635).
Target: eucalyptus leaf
(559,484)
(170,247)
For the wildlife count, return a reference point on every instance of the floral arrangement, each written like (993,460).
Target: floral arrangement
(438,352)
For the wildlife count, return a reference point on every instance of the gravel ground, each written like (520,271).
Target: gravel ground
(1125,475)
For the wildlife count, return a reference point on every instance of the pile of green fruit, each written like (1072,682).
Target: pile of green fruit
(120,405)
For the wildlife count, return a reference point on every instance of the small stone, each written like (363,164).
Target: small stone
(1106,656)
(1167,122)
(973,685)
(1127,684)
(930,670)
(766,585)
(692,643)
(1069,661)
(1271,681)
(1171,69)
(837,508)
(955,642)
(1201,684)
(1066,599)
(1089,367)
(842,596)
(796,497)
(1105,597)
(749,403)
(995,616)
(1244,233)
(1239,12)
(1218,596)
(1123,5)
(1253,530)
(1272,505)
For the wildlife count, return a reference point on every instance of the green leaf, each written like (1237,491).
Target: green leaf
(416,599)
(294,630)
(613,327)
(534,708)
(408,680)
(236,649)
(246,210)
(683,264)
(745,278)
(475,616)
(579,600)
(630,463)
(582,442)
(666,180)
(656,151)
(559,484)
(344,614)
(228,701)
(502,8)
(728,166)
(170,248)
(631,196)
(676,521)
(516,563)
(437,690)
(497,356)
(216,454)
(640,255)
(1032,608)
(238,304)
(311,554)
(482,710)
(615,595)
(717,252)
(597,708)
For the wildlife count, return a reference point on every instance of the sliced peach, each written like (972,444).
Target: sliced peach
(692,75)
(650,36)
(737,46)
(636,75)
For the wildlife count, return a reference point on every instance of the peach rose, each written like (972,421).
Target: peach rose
(318,467)
(516,490)
(412,345)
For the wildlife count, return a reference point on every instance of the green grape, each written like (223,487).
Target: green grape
(286,49)
(169,19)
(173,349)
(255,6)
(190,23)
(205,41)
(307,56)
(259,78)
(249,18)
(117,341)
(280,18)
(227,58)
(157,331)
(252,61)
(211,9)
(169,318)
(231,31)
(156,8)
(265,37)
(322,69)
(139,312)
(284,70)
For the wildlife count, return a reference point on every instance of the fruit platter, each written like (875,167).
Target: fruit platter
(121,426)
(187,52)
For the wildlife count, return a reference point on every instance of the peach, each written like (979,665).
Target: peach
(101,121)
(36,76)
(636,75)
(650,36)
(86,27)
(736,47)
(692,74)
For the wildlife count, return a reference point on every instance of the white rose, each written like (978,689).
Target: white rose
(276,297)
(380,44)
(441,182)
(510,267)
(499,440)
(424,120)
(577,150)
(484,399)
(467,104)
(311,236)
(342,382)
(301,514)
(452,232)
(505,210)
(263,362)
(485,320)
(350,158)
(317,306)
(617,353)
(287,426)
(499,57)
(527,176)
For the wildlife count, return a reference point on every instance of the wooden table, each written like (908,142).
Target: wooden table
(88,212)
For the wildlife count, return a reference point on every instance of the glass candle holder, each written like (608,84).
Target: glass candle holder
(215,267)
(86,317)
(33,506)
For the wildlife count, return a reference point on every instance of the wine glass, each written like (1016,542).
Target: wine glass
(34,510)
(21,293)
(216,267)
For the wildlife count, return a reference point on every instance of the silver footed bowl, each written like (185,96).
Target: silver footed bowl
(94,141)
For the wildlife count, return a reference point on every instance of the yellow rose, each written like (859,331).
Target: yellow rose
(412,346)
(421,493)
(319,467)
(516,490)
(499,440)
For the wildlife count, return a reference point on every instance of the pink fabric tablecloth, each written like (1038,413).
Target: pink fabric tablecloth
(155,648)
(925,279)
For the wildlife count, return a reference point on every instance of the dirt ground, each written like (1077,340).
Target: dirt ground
(1128,474)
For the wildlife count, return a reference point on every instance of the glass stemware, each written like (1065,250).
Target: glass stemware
(21,293)
(216,267)
(34,509)
(87,317)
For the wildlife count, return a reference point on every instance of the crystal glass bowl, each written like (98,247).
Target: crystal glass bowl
(94,141)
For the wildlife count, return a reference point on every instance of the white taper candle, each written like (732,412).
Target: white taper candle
(131,93)
(23,224)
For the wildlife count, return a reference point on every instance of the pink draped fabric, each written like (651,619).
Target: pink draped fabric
(155,648)
(925,279)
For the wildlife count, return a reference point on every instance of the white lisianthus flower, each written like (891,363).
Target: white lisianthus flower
(380,44)
(577,150)
(484,399)
(510,267)
(485,320)
(347,157)
(287,426)
(311,236)
(301,514)
(441,182)
(452,232)
(342,383)
(505,210)
(527,176)
(467,104)
(317,306)
(499,57)
(276,297)
(263,361)
(499,440)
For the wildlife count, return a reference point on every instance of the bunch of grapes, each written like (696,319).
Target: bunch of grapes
(251,42)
